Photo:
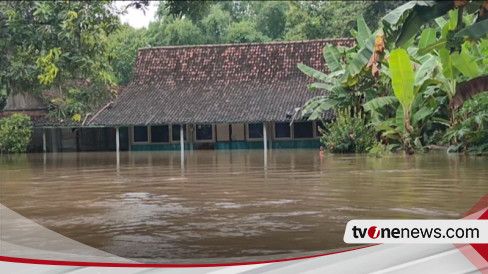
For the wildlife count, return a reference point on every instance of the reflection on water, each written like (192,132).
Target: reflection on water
(226,204)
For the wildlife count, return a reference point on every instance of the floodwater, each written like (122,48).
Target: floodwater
(226,203)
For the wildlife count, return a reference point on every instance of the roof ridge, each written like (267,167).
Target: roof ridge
(249,44)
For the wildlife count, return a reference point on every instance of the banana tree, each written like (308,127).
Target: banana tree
(403,23)
(471,134)
(348,82)
(414,107)
(464,67)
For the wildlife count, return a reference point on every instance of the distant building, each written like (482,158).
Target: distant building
(232,96)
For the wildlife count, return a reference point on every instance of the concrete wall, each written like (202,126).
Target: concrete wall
(289,144)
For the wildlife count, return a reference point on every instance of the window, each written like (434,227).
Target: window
(204,132)
(140,134)
(255,131)
(303,130)
(282,130)
(175,132)
(159,134)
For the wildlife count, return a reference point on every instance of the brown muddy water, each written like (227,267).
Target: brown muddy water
(226,203)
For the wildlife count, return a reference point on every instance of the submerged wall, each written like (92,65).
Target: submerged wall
(78,139)
(289,144)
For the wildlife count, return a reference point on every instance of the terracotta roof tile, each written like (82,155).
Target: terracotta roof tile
(218,83)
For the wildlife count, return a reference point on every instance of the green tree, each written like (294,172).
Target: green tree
(47,45)
(405,22)
(471,134)
(239,10)
(245,32)
(464,71)
(215,26)
(271,19)
(123,46)
(307,20)
(350,81)
(375,10)
(155,33)
(15,133)
(193,10)
(3,97)
(324,19)
(174,31)
(182,32)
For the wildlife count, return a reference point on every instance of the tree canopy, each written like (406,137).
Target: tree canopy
(71,53)
(217,22)
(47,43)
(268,20)
(414,76)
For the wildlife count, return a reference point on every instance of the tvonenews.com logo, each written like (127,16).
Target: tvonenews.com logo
(417,231)
(374,232)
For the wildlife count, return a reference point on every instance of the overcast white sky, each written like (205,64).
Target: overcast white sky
(135,17)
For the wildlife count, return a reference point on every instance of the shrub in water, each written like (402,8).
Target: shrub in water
(15,133)
(348,133)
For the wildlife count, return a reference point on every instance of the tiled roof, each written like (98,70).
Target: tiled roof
(229,83)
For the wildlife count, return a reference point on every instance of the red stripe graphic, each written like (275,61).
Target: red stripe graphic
(141,265)
(482,249)
(477,254)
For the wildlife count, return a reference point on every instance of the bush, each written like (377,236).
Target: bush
(377,150)
(471,133)
(15,133)
(348,133)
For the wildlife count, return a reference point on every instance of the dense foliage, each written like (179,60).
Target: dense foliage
(471,133)
(48,43)
(348,133)
(71,53)
(410,76)
(15,133)
(60,51)
(123,46)
(48,47)
(414,76)
(265,20)
(216,22)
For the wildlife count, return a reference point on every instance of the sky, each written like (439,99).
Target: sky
(135,17)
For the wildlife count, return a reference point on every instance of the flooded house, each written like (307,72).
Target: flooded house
(229,96)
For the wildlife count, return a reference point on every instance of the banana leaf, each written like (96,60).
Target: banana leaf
(425,70)
(394,16)
(427,37)
(311,72)
(440,121)
(332,58)
(465,64)
(446,61)
(329,104)
(324,86)
(364,32)
(434,46)
(421,114)
(422,13)
(360,60)
(379,102)
(440,22)
(402,77)
(475,31)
